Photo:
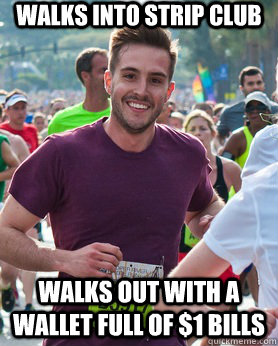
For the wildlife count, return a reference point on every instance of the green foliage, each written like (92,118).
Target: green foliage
(236,47)
(211,47)
(31,81)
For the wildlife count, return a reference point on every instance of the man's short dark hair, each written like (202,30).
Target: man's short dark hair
(156,37)
(249,71)
(14,92)
(84,59)
(58,99)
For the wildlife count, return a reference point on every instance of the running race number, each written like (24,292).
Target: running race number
(132,270)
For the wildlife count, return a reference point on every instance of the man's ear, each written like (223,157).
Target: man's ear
(171,88)
(84,76)
(108,81)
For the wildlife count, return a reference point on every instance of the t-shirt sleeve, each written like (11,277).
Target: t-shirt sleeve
(233,232)
(203,192)
(37,183)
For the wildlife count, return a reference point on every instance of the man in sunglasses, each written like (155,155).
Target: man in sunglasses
(257,116)
(250,79)
(257,108)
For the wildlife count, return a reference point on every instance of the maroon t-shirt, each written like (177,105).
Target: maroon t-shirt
(96,192)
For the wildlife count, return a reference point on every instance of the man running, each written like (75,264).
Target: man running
(90,66)
(119,188)
(16,110)
(232,117)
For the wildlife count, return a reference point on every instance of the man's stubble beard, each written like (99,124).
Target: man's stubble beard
(117,113)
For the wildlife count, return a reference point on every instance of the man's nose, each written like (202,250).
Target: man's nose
(141,87)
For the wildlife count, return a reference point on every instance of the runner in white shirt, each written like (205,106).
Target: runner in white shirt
(246,230)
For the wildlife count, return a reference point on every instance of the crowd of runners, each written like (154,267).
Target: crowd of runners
(127,174)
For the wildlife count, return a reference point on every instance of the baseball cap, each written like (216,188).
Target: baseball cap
(258,96)
(263,150)
(14,99)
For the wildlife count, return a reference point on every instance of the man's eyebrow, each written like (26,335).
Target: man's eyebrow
(133,69)
(126,69)
(159,74)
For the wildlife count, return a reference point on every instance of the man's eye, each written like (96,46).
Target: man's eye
(156,81)
(129,76)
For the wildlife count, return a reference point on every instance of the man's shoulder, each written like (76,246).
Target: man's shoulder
(61,121)
(239,130)
(30,127)
(5,125)
(274,107)
(234,108)
(179,138)
(238,134)
(68,111)
(74,135)
(265,176)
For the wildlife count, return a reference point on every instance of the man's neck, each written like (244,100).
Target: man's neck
(255,128)
(17,127)
(129,142)
(95,102)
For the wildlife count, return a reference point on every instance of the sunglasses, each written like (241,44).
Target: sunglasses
(259,108)
(269,118)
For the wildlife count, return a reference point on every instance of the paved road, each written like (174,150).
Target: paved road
(6,339)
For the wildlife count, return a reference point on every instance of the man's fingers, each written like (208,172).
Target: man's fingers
(91,259)
(105,265)
(108,258)
(271,322)
(109,249)
(273,312)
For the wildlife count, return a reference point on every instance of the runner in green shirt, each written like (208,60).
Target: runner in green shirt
(73,117)
(90,66)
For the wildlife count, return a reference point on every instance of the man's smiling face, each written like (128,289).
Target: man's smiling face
(139,86)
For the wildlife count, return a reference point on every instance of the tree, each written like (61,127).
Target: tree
(236,47)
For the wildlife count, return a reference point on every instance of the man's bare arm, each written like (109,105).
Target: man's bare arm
(202,262)
(199,221)
(10,159)
(18,249)
(235,145)
(18,145)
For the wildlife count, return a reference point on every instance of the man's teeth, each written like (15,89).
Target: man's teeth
(137,105)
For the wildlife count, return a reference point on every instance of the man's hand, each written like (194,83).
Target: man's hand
(94,260)
(199,221)
(271,317)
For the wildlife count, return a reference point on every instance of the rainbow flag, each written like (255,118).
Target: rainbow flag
(197,88)
(207,83)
